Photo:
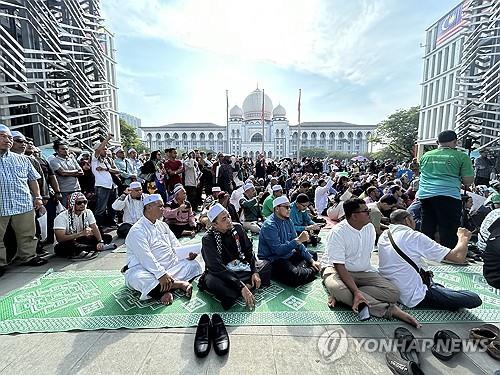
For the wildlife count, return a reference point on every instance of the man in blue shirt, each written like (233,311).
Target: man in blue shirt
(292,263)
(18,181)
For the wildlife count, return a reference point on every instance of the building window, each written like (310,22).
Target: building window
(257,137)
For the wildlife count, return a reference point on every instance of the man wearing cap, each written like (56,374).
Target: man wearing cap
(442,173)
(131,203)
(135,163)
(18,186)
(250,206)
(179,214)
(231,269)
(67,171)
(237,194)
(153,267)
(127,173)
(210,199)
(279,244)
(267,206)
(321,195)
(483,168)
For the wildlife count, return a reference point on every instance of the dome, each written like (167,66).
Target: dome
(279,111)
(236,112)
(252,106)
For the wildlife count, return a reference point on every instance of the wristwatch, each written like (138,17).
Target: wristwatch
(39,198)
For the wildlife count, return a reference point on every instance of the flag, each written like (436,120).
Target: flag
(449,24)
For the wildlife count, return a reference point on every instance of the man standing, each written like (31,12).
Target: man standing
(292,263)
(347,272)
(18,180)
(321,195)
(153,267)
(483,168)
(127,173)
(174,169)
(67,171)
(131,203)
(191,179)
(416,245)
(443,171)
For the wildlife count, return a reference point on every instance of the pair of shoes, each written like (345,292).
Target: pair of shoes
(487,336)
(407,361)
(400,366)
(36,261)
(447,344)
(208,333)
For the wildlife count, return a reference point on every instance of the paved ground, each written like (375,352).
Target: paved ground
(254,350)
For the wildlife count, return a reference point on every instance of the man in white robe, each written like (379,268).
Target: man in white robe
(153,267)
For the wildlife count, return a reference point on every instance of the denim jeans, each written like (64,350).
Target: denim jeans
(103,211)
(439,297)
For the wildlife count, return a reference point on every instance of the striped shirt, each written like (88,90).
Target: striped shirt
(15,172)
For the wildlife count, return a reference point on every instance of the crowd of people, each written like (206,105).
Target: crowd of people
(441,207)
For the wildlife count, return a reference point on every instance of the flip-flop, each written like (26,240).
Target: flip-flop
(493,349)
(407,345)
(484,334)
(400,366)
(446,345)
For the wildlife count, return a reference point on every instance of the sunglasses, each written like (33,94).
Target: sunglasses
(81,202)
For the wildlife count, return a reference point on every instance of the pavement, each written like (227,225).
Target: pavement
(254,350)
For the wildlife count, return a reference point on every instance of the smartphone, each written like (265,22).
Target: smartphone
(363,312)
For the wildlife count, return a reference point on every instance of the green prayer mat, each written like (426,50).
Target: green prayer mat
(91,300)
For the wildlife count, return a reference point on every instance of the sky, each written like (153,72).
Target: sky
(356,61)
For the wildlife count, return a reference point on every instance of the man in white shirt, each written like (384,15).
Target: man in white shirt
(347,272)
(131,203)
(153,267)
(416,245)
(321,195)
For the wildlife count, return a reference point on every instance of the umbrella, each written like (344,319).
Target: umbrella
(359,158)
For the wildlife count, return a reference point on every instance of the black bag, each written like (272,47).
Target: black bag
(426,276)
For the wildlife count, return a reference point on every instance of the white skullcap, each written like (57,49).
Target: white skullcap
(280,200)
(152,198)
(274,178)
(248,186)
(277,187)
(178,188)
(118,149)
(214,211)
(132,150)
(216,189)
(5,129)
(16,134)
(135,185)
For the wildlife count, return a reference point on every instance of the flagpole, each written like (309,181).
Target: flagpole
(263,129)
(298,132)
(227,122)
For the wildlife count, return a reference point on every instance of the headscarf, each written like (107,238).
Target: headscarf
(73,198)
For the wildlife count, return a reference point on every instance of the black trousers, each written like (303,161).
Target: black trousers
(481,181)
(442,214)
(123,230)
(68,249)
(177,229)
(228,294)
(294,271)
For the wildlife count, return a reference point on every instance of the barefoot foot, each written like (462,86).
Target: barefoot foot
(167,298)
(405,317)
(331,302)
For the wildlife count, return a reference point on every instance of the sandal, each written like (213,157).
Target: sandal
(493,349)
(36,261)
(484,334)
(407,345)
(400,366)
(85,255)
(446,345)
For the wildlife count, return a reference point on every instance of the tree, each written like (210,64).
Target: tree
(129,136)
(399,133)
(313,152)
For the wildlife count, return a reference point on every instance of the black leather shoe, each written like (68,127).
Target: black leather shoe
(202,340)
(220,337)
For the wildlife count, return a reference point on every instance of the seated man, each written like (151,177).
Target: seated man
(179,214)
(210,199)
(267,206)
(153,267)
(249,203)
(131,203)
(231,269)
(347,272)
(292,263)
(377,218)
(412,291)
(299,214)
(76,231)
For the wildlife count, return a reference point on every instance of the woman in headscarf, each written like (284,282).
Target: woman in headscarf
(76,231)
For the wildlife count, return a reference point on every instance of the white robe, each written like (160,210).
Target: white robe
(151,254)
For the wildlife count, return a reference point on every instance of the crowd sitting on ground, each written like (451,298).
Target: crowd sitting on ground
(440,207)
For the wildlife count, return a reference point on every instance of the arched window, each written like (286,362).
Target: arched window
(167,136)
(331,135)
(219,136)
(210,136)
(350,135)
(149,136)
(245,154)
(233,133)
(282,133)
(277,133)
(238,133)
(202,136)
(184,136)
(176,136)
(360,135)
(257,137)
(269,154)
(193,136)
(341,135)
(158,136)
(322,135)
(251,154)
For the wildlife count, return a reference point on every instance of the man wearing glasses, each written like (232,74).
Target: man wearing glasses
(292,263)
(76,231)
(18,181)
(347,272)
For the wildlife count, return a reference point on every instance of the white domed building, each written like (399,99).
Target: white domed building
(244,133)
